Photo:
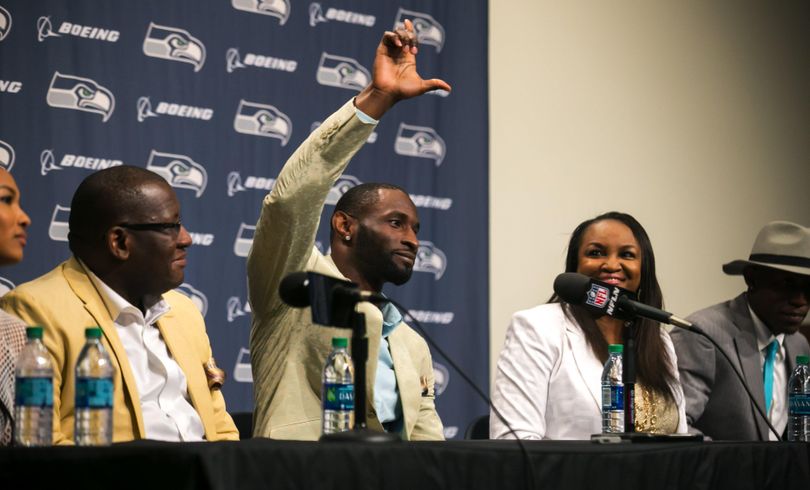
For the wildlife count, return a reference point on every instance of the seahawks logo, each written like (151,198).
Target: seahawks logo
(196,296)
(244,240)
(342,72)
(241,371)
(179,171)
(6,156)
(5,286)
(80,94)
(441,378)
(172,43)
(343,184)
(59,227)
(262,120)
(430,259)
(5,23)
(279,9)
(428,31)
(420,142)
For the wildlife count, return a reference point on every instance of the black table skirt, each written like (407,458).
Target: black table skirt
(264,463)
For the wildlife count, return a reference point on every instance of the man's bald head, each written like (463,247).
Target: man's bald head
(104,199)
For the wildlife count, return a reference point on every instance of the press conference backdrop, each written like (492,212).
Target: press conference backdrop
(214,96)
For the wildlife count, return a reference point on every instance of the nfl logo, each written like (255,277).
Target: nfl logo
(597,296)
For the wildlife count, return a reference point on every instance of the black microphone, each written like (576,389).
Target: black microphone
(294,290)
(302,289)
(578,289)
(297,289)
(606,299)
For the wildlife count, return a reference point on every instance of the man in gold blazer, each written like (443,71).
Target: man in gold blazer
(373,242)
(128,254)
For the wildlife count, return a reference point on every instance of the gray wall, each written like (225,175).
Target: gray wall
(692,116)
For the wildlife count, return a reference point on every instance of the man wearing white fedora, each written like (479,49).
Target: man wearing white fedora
(758,331)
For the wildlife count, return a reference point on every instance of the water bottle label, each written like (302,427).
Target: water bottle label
(94,393)
(34,392)
(613,397)
(799,405)
(338,396)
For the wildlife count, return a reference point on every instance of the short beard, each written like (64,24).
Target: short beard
(374,263)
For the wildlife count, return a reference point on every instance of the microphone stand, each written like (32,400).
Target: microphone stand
(360,432)
(629,375)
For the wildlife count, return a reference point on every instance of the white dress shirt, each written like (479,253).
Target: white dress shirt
(778,414)
(168,414)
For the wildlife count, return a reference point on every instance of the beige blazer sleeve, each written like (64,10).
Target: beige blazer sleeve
(285,232)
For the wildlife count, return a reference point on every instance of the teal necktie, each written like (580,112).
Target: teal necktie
(770,358)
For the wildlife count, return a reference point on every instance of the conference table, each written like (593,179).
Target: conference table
(271,464)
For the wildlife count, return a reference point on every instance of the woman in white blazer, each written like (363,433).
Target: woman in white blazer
(548,378)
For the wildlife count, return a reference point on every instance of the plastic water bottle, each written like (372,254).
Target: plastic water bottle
(94,393)
(613,391)
(338,389)
(33,398)
(798,428)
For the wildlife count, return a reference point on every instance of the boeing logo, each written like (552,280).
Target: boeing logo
(371,138)
(341,72)
(172,43)
(233,61)
(262,120)
(6,155)
(80,94)
(5,286)
(316,16)
(10,86)
(441,377)
(45,30)
(5,23)
(59,228)
(430,259)
(144,107)
(244,240)
(343,184)
(431,202)
(279,9)
(420,142)
(235,310)
(47,162)
(236,185)
(438,317)
(196,296)
(202,239)
(428,31)
(179,171)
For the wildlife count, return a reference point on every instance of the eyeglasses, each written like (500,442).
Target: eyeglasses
(171,228)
